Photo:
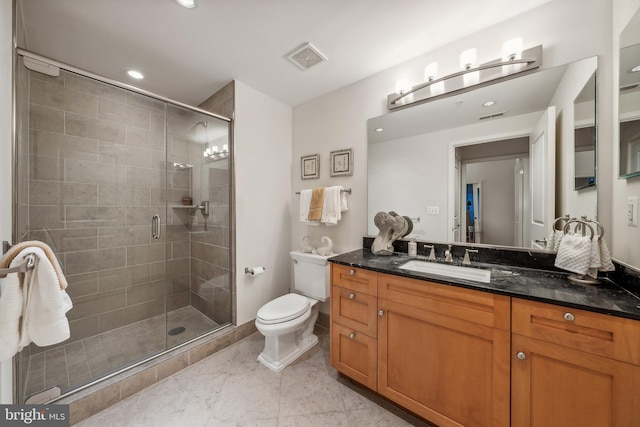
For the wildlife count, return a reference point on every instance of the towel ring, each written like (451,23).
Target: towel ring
(562,218)
(578,222)
(600,227)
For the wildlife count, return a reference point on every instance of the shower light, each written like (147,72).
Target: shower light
(489,103)
(189,4)
(135,74)
(635,69)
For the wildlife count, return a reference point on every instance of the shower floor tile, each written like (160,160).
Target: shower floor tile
(82,361)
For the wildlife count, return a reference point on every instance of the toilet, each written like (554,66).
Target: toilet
(287,322)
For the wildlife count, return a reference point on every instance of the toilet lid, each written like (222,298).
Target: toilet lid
(282,309)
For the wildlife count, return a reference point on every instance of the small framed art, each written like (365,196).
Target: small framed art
(310,166)
(342,162)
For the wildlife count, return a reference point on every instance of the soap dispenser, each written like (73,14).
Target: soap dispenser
(413,247)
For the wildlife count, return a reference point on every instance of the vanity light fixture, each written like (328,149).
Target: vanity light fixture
(135,74)
(212,153)
(189,4)
(473,76)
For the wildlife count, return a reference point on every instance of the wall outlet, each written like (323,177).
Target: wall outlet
(632,211)
(433,210)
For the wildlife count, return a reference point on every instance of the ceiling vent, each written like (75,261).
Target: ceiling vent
(306,56)
(491,116)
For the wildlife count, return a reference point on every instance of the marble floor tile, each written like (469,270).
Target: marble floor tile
(232,389)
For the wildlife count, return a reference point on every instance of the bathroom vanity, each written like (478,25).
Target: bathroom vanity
(528,348)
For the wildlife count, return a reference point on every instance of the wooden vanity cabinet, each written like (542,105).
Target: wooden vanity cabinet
(443,351)
(573,367)
(461,357)
(354,327)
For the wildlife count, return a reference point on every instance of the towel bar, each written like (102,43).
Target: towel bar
(22,268)
(347,190)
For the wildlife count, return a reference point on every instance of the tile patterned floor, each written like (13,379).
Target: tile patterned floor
(82,361)
(231,388)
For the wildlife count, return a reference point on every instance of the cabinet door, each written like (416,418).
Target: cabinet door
(451,371)
(553,385)
(354,354)
(355,310)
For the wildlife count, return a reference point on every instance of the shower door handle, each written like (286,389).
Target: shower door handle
(155,226)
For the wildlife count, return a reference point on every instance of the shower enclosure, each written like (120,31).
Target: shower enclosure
(132,192)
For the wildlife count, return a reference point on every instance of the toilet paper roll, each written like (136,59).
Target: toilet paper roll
(255,271)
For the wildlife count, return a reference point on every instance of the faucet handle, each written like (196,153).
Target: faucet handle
(432,253)
(467,260)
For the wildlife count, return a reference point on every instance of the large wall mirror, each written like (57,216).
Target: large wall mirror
(629,99)
(494,165)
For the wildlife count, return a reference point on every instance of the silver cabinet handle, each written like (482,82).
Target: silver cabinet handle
(155,226)
(520,355)
(352,272)
(569,317)
(352,335)
(352,296)
(381,313)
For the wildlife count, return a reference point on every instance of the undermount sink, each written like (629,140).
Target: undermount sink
(448,270)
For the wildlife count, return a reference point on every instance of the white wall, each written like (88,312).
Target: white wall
(6,55)
(338,119)
(263,197)
(624,239)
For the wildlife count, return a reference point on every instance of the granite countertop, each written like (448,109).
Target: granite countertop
(528,283)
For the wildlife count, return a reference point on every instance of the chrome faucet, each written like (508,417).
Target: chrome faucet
(467,260)
(448,256)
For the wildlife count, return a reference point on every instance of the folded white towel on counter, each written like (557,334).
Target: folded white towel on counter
(574,253)
(594,258)
(554,239)
(605,256)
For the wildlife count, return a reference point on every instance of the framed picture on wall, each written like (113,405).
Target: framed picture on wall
(342,162)
(310,166)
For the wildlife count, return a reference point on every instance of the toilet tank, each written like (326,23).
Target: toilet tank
(311,274)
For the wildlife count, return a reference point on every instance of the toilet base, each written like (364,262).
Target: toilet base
(296,351)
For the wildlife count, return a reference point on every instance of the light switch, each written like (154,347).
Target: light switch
(433,210)
(632,211)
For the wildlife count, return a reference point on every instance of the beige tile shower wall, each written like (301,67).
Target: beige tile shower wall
(97,177)
(211,284)
(210,262)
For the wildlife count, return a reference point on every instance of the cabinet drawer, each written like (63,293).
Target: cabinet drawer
(354,354)
(479,307)
(609,336)
(355,310)
(354,278)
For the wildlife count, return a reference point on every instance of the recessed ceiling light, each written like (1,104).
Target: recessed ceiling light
(135,74)
(379,129)
(635,69)
(489,103)
(189,4)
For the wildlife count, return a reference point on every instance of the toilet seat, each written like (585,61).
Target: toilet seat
(283,309)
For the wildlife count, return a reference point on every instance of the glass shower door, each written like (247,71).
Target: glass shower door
(93,185)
